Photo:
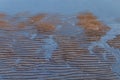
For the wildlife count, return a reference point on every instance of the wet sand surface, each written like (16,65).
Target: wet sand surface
(58,47)
(59,40)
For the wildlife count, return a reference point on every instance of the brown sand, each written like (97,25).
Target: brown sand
(94,29)
(45,27)
(115,42)
(4,23)
(90,22)
(2,15)
(36,18)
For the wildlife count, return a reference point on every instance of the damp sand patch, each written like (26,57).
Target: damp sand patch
(2,15)
(45,27)
(94,29)
(115,42)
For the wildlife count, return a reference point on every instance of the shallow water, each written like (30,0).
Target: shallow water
(66,48)
(102,8)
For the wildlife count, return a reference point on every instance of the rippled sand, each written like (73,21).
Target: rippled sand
(57,47)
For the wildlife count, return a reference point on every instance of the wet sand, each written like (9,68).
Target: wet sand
(57,47)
